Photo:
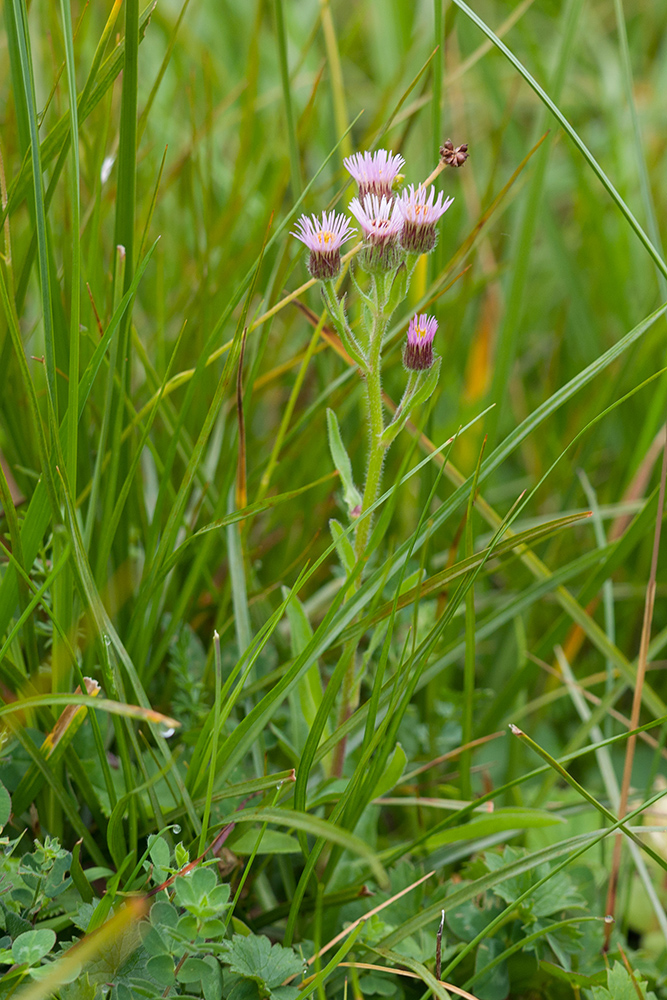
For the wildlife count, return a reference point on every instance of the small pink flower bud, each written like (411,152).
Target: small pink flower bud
(418,352)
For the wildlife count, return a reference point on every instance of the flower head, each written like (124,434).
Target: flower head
(381,223)
(374,172)
(379,219)
(418,352)
(324,240)
(421,210)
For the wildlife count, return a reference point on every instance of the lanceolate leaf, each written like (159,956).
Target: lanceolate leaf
(341,460)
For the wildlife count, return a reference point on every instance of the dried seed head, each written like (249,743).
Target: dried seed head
(453,156)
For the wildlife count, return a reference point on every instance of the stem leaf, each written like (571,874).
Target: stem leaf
(341,460)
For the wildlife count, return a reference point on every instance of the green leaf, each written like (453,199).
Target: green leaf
(5,805)
(161,969)
(285,993)
(163,913)
(495,985)
(392,772)
(80,989)
(512,818)
(343,545)
(424,388)
(573,978)
(211,980)
(310,686)
(78,875)
(377,985)
(32,946)
(256,958)
(620,986)
(192,970)
(272,842)
(470,917)
(160,855)
(200,894)
(399,290)
(245,989)
(341,460)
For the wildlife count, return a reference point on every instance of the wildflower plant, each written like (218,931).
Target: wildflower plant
(396,230)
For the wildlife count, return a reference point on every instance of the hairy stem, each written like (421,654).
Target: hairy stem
(376,453)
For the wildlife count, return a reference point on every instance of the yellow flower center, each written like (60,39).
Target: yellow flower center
(325,236)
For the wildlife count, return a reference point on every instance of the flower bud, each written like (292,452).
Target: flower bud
(324,240)
(418,351)
(421,210)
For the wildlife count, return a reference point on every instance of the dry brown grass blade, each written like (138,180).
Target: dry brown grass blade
(581,688)
(637,699)
(410,975)
(637,487)
(70,718)
(576,635)
(371,913)
(452,754)
(86,950)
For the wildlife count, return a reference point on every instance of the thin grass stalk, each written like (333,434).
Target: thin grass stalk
(9,512)
(469,662)
(63,591)
(612,787)
(526,226)
(289,409)
(337,84)
(653,252)
(638,691)
(436,96)
(214,741)
(487,932)
(28,86)
(607,588)
(292,141)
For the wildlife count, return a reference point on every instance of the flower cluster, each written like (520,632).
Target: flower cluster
(390,223)
(397,227)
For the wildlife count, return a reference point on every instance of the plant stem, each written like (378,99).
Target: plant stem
(376,450)
(376,453)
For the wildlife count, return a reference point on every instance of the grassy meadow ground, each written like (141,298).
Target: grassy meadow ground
(167,477)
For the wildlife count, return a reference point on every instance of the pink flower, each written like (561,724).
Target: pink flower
(379,219)
(381,223)
(374,172)
(418,352)
(324,240)
(421,210)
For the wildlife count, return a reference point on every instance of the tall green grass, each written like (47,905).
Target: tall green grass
(166,371)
